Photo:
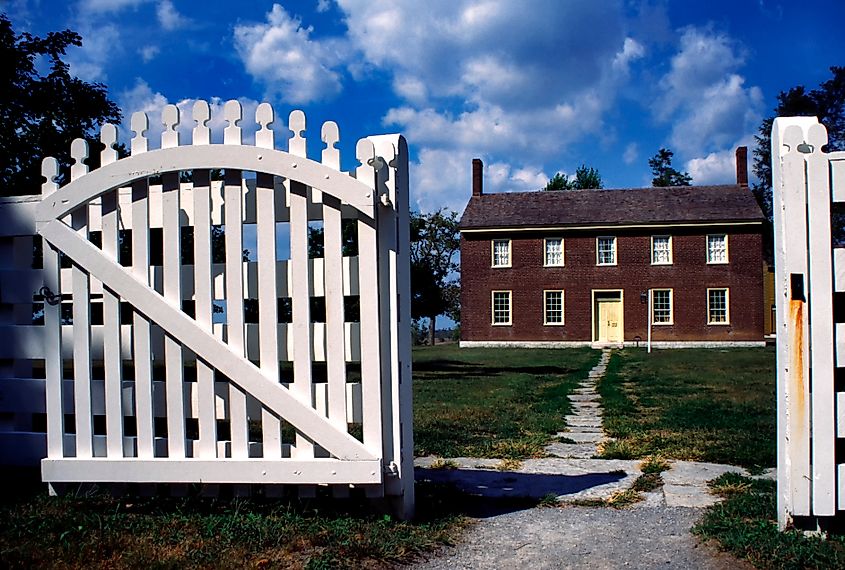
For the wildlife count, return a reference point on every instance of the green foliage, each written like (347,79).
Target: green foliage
(745,525)
(435,288)
(558,182)
(692,404)
(502,403)
(663,171)
(41,115)
(586,178)
(827,102)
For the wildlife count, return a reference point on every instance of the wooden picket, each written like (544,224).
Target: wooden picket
(809,275)
(167,373)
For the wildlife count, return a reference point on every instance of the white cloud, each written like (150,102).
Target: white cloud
(442,178)
(99,45)
(141,97)
(323,5)
(717,167)
(170,18)
(490,51)
(514,82)
(281,55)
(148,53)
(108,6)
(632,50)
(703,95)
(632,152)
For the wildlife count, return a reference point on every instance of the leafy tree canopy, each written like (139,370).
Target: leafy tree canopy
(41,114)
(585,178)
(434,286)
(827,102)
(663,171)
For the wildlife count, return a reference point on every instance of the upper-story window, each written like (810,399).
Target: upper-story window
(606,250)
(553,252)
(661,250)
(717,248)
(501,253)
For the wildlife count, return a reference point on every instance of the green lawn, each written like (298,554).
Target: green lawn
(506,403)
(713,405)
(745,525)
(99,531)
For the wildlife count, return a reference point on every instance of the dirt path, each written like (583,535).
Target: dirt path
(584,537)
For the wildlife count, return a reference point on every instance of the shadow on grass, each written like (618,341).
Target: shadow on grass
(483,493)
(474,369)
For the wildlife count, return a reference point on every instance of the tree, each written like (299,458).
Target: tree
(664,173)
(827,103)
(585,178)
(41,115)
(434,286)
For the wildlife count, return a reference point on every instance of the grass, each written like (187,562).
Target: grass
(692,404)
(500,403)
(99,531)
(745,525)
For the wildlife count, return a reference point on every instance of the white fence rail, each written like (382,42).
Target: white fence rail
(810,305)
(162,322)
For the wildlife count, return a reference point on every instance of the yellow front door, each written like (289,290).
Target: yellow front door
(610,321)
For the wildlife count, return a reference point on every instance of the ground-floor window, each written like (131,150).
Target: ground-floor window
(501,307)
(661,306)
(717,307)
(553,314)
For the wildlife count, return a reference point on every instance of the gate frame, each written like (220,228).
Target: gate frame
(379,188)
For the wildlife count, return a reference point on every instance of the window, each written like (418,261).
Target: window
(606,251)
(501,307)
(661,250)
(501,253)
(661,306)
(553,307)
(717,248)
(554,252)
(717,307)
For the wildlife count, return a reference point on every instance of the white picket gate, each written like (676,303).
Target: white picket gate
(150,383)
(810,306)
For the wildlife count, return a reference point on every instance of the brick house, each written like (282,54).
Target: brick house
(586,267)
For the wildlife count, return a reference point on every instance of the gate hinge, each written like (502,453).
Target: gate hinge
(391,469)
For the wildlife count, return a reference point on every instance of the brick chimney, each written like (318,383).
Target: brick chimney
(742,166)
(477,177)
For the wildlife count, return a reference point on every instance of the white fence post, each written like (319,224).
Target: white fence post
(809,271)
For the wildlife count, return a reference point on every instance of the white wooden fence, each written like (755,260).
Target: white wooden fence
(147,359)
(810,306)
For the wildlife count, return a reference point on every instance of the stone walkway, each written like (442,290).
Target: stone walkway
(584,425)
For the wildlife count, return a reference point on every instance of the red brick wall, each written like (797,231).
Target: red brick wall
(689,276)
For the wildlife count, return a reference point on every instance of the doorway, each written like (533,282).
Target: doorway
(608,317)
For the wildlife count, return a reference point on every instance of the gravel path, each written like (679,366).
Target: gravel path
(584,537)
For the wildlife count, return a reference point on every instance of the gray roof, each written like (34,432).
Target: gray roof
(630,206)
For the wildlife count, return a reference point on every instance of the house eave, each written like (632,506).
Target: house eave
(574,227)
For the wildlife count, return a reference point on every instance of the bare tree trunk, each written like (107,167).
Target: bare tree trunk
(431,329)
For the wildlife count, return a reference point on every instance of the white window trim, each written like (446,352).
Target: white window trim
(493,308)
(562,253)
(707,250)
(493,253)
(562,308)
(727,320)
(671,320)
(615,253)
(671,254)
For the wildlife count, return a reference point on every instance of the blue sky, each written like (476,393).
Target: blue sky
(531,87)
